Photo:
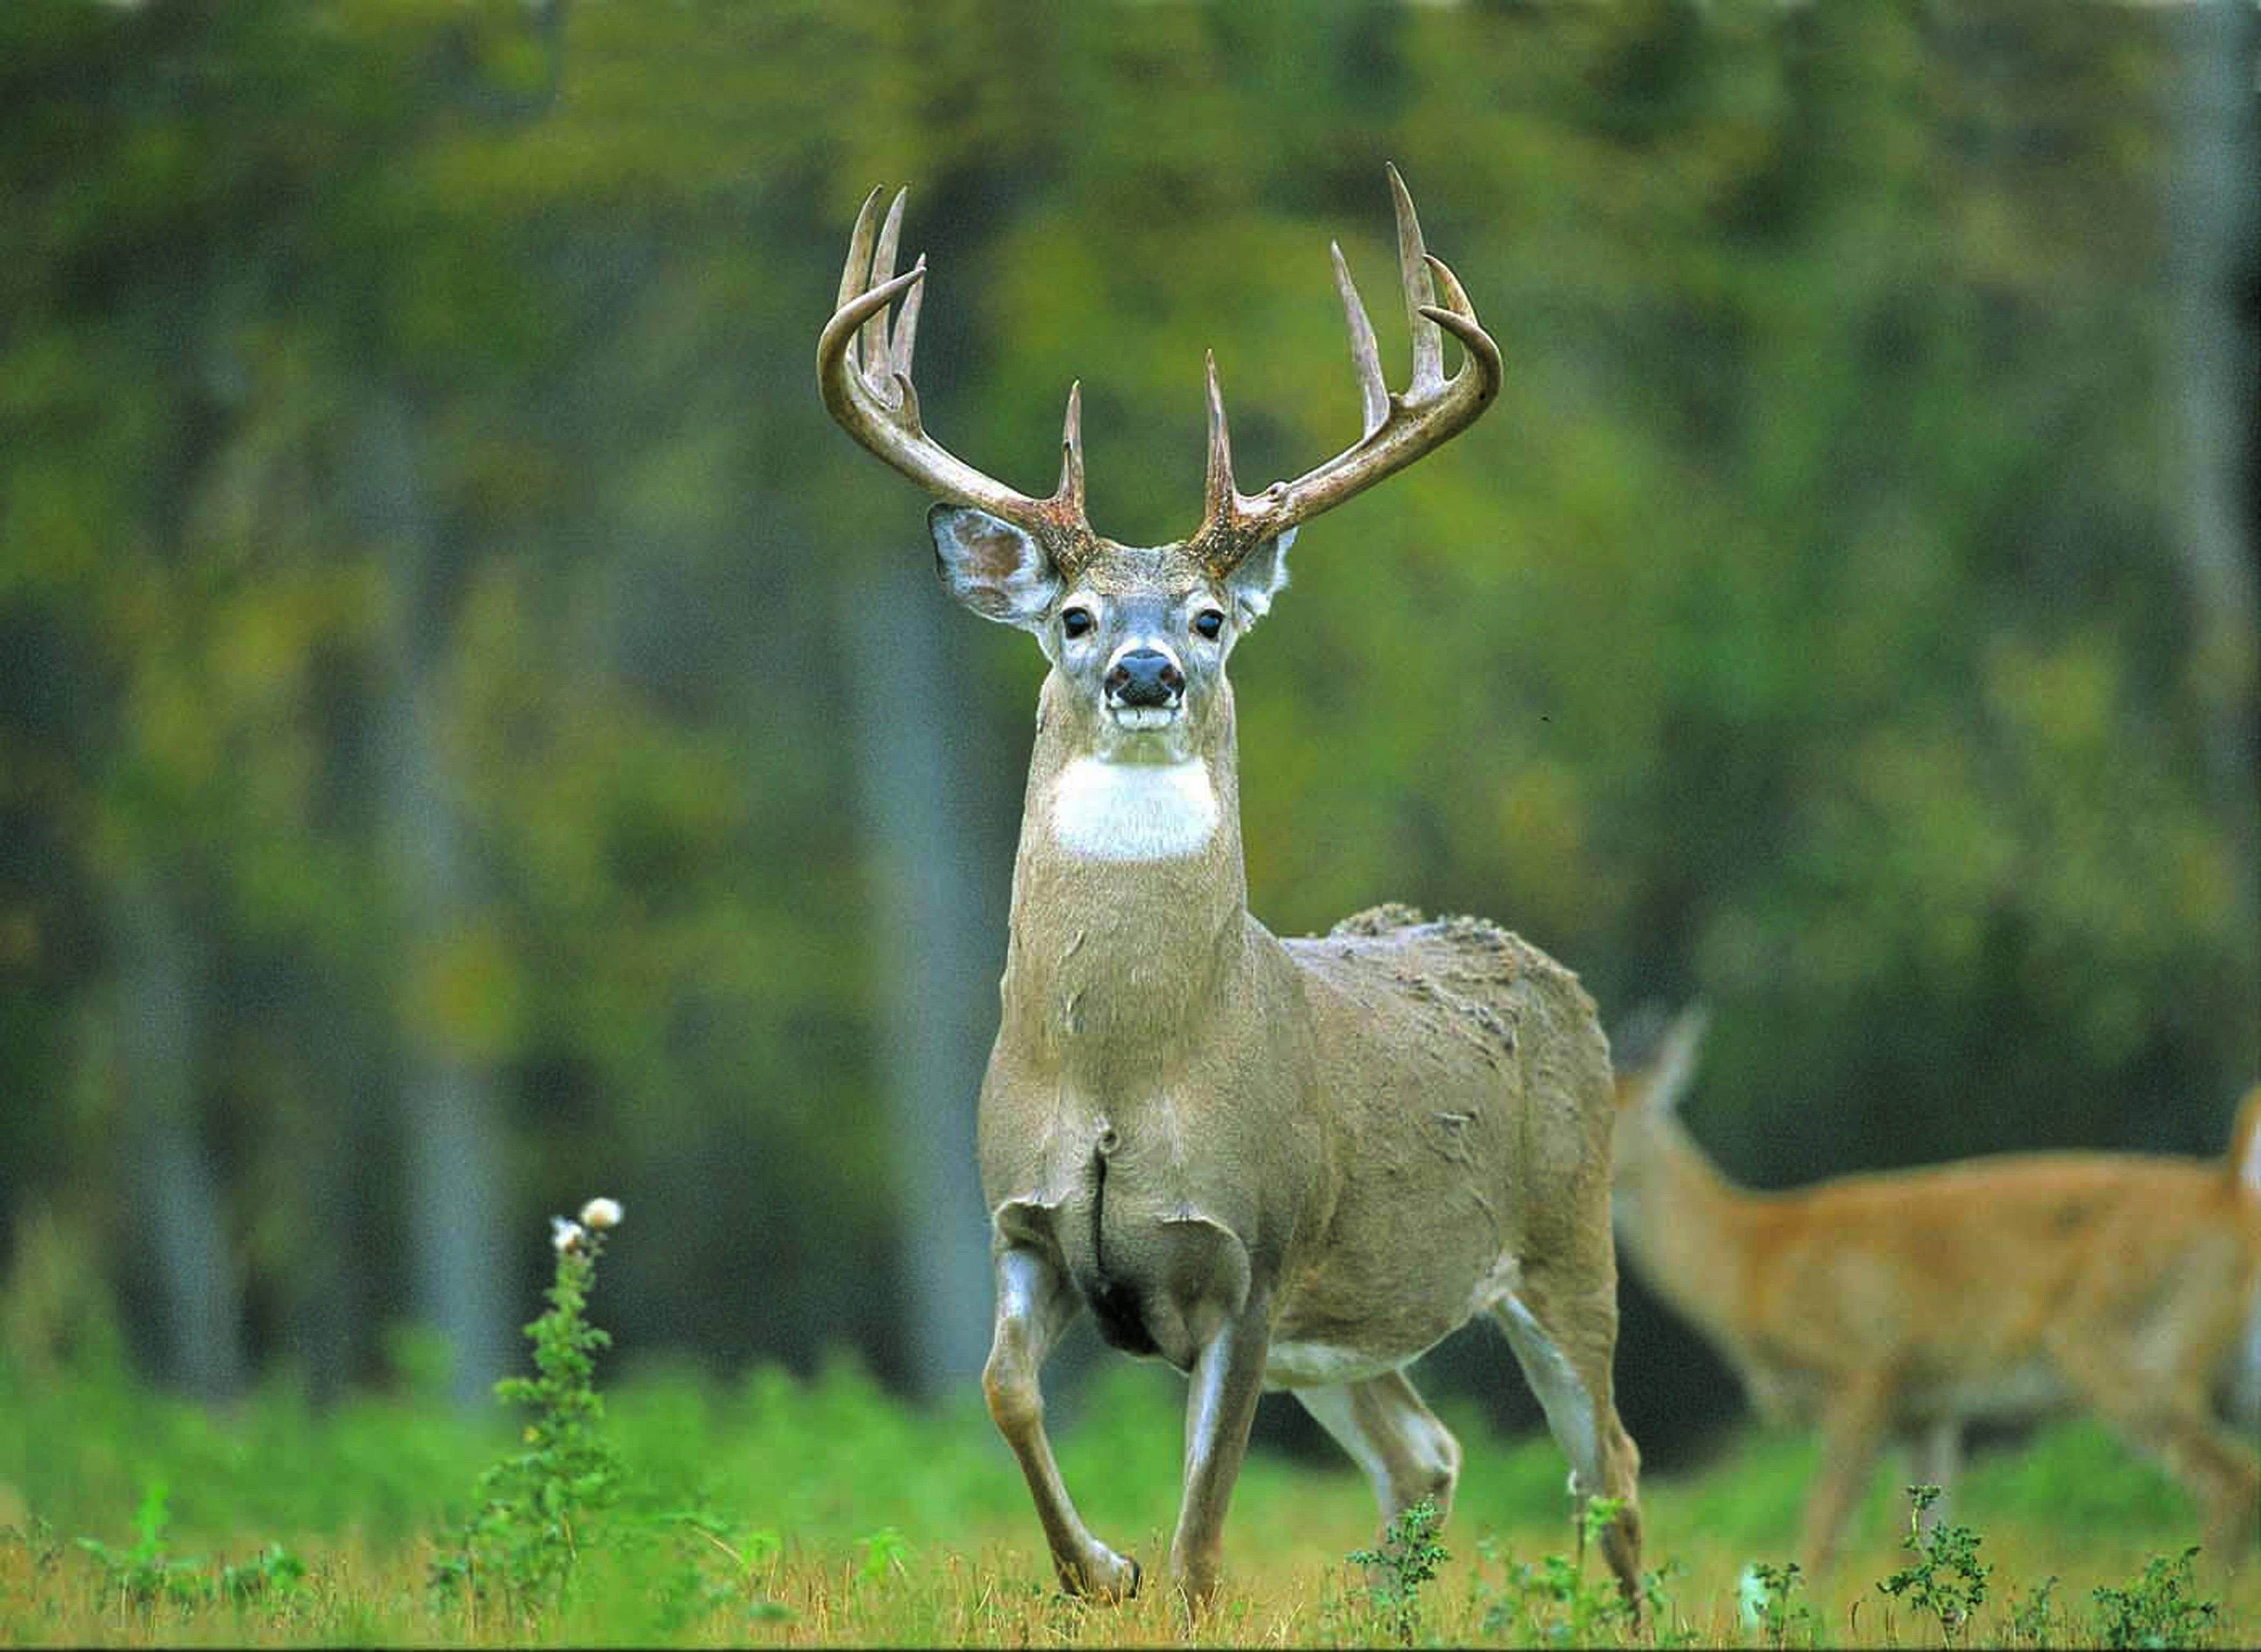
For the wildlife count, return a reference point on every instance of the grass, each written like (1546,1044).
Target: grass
(778,1511)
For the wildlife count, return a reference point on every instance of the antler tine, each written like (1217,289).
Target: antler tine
(1412,260)
(1069,494)
(857,276)
(1398,428)
(867,390)
(873,354)
(1366,358)
(1218,495)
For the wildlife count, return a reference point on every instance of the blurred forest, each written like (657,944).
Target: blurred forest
(473,735)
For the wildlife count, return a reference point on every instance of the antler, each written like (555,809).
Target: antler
(865,375)
(1399,429)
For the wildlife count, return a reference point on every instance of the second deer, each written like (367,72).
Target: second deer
(1902,1306)
(1272,1163)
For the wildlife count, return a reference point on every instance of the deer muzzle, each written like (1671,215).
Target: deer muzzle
(1144,688)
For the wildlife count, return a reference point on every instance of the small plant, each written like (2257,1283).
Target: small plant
(884,1551)
(1765,1594)
(2033,1620)
(150,1571)
(1556,1603)
(2158,1609)
(535,1505)
(1946,1579)
(1409,1557)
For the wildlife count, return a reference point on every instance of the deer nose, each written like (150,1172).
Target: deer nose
(1145,677)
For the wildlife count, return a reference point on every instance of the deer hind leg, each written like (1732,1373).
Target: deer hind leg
(2172,1423)
(1565,1350)
(1035,1303)
(1406,1453)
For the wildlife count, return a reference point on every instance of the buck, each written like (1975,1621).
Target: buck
(1272,1163)
(1903,1305)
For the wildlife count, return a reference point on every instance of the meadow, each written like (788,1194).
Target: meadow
(774,1510)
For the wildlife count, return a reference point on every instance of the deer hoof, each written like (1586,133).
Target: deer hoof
(1106,1575)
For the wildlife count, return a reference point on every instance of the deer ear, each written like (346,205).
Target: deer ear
(991,567)
(1258,576)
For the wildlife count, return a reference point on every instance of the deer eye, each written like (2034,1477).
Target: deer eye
(1209,622)
(1075,621)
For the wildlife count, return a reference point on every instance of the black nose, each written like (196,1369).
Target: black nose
(1145,677)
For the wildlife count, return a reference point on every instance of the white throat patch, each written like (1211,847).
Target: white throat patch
(1133,811)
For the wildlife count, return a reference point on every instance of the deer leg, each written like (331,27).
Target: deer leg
(2175,1425)
(1228,1377)
(1565,1351)
(1407,1453)
(1035,1302)
(1852,1432)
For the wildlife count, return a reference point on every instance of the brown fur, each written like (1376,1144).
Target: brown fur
(1901,1305)
(1359,1140)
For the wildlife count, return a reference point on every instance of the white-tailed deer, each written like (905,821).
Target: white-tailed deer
(1272,1163)
(1901,1305)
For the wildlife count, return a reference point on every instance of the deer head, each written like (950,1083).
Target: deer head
(1139,636)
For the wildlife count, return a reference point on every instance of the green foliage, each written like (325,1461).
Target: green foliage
(1397,1571)
(1946,1579)
(149,1572)
(2159,1608)
(1556,1603)
(1766,1598)
(383,395)
(538,1508)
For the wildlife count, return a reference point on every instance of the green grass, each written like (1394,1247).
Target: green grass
(792,1513)
(675,1509)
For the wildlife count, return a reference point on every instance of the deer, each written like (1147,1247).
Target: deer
(1272,1163)
(1903,1305)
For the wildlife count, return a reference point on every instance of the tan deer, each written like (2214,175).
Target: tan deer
(1903,1304)
(1273,1163)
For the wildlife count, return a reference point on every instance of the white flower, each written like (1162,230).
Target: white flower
(599,1214)
(565,1235)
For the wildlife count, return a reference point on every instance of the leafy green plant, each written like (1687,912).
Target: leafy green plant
(2158,1609)
(150,1571)
(1408,1559)
(1556,1603)
(1766,1594)
(1946,1579)
(536,1506)
(147,1571)
(2033,1620)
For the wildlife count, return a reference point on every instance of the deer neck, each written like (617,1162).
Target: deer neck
(1684,1224)
(1129,895)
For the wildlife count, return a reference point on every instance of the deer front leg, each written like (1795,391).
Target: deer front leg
(1852,1430)
(1035,1301)
(1227,1378)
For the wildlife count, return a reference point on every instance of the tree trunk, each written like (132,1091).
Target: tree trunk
(924,774)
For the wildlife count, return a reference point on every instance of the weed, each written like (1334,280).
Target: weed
(535,1505)
(2033,1620)
(1409,1557)
(1946,1579)
(1555,1603)
(149,1572)
(2158,1609)
(1765,1595)
(884,1553)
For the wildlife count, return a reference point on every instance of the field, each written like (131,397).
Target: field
(776,1510)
